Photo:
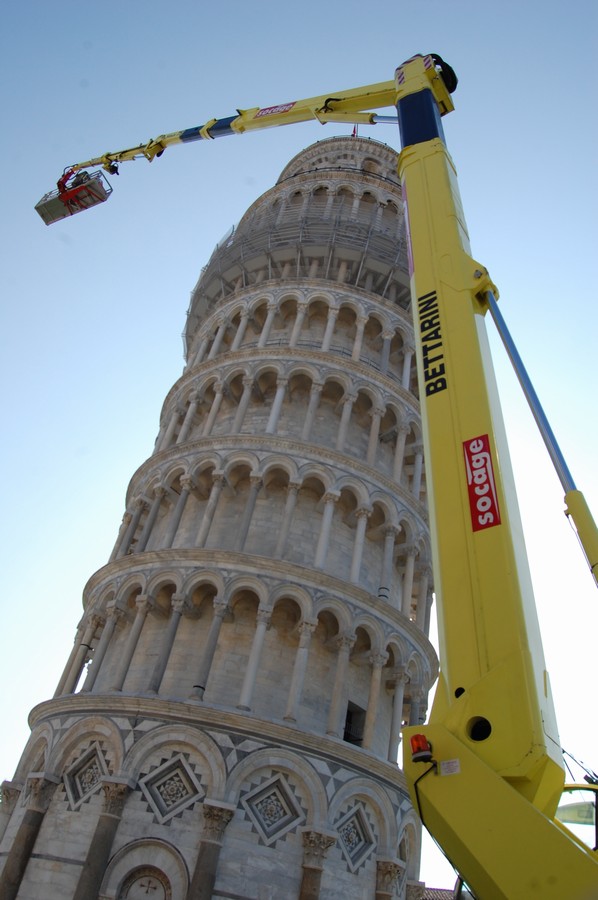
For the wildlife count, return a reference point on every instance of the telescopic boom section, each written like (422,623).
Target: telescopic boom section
(487,776)
(349,107)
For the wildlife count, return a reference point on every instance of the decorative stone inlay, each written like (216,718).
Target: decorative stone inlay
(357,839)
(171,788)
(273,809)
(84,776)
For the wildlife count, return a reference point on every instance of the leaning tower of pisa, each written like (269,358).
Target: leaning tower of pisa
(228,722)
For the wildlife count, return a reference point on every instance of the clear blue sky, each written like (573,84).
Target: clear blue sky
(93,308)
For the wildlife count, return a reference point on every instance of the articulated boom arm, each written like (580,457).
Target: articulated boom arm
(488,784)
(341,106)
(350,107)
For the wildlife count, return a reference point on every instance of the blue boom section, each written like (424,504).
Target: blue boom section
(220,128)
(419,119)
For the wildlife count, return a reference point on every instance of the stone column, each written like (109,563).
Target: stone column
(362,516)
(429,602)
(189,417)
(112,617)
(386,579)
(337,704)
(281,386)
(243,405)
(408,581)
(178,606)
(329,204)
(216,816)
(376,415)
(218,482)
(143,604)
(298,323)
(211,418)
(125,544)
(322,548)
(98,854)
(406,375)
(69,663)
(398,681)
(314,402)
(417,696)
(82,654)
(342,271)
(422,598)
(377,661)
(199,356)
(215,348)
(341,437)
(330,323)
(240,333)
(151,519)
(221,610)
(388,876)
(399,456)
(176,515)
(387,337)
(255,483)
(39,792)
(416,481)
(262,625)
(306,629)
(265,334)
(316,845)
(126,521)
(287,518)
(174,421)
(10,792)
(358,342)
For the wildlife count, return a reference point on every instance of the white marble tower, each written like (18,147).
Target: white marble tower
(228,721)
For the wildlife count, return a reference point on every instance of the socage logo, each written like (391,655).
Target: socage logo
(483,501)
(274,110)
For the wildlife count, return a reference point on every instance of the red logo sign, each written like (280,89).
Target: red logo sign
(483,501)
(273,110)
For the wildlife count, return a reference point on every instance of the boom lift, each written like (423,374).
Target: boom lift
(486,773)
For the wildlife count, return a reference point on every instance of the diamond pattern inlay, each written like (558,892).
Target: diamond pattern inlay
(83,778)
(171,788)
(273,809)
(357,840)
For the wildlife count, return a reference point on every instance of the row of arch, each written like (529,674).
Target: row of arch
(319,322)
(279,651)
(270,505)
(174,852)
(365,159)
(318,405)
(373,204)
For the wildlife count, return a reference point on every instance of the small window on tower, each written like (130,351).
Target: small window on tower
(354,724)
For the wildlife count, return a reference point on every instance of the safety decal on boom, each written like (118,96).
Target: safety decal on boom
(483,502)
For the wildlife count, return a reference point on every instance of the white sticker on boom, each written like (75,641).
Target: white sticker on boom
(450,767)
